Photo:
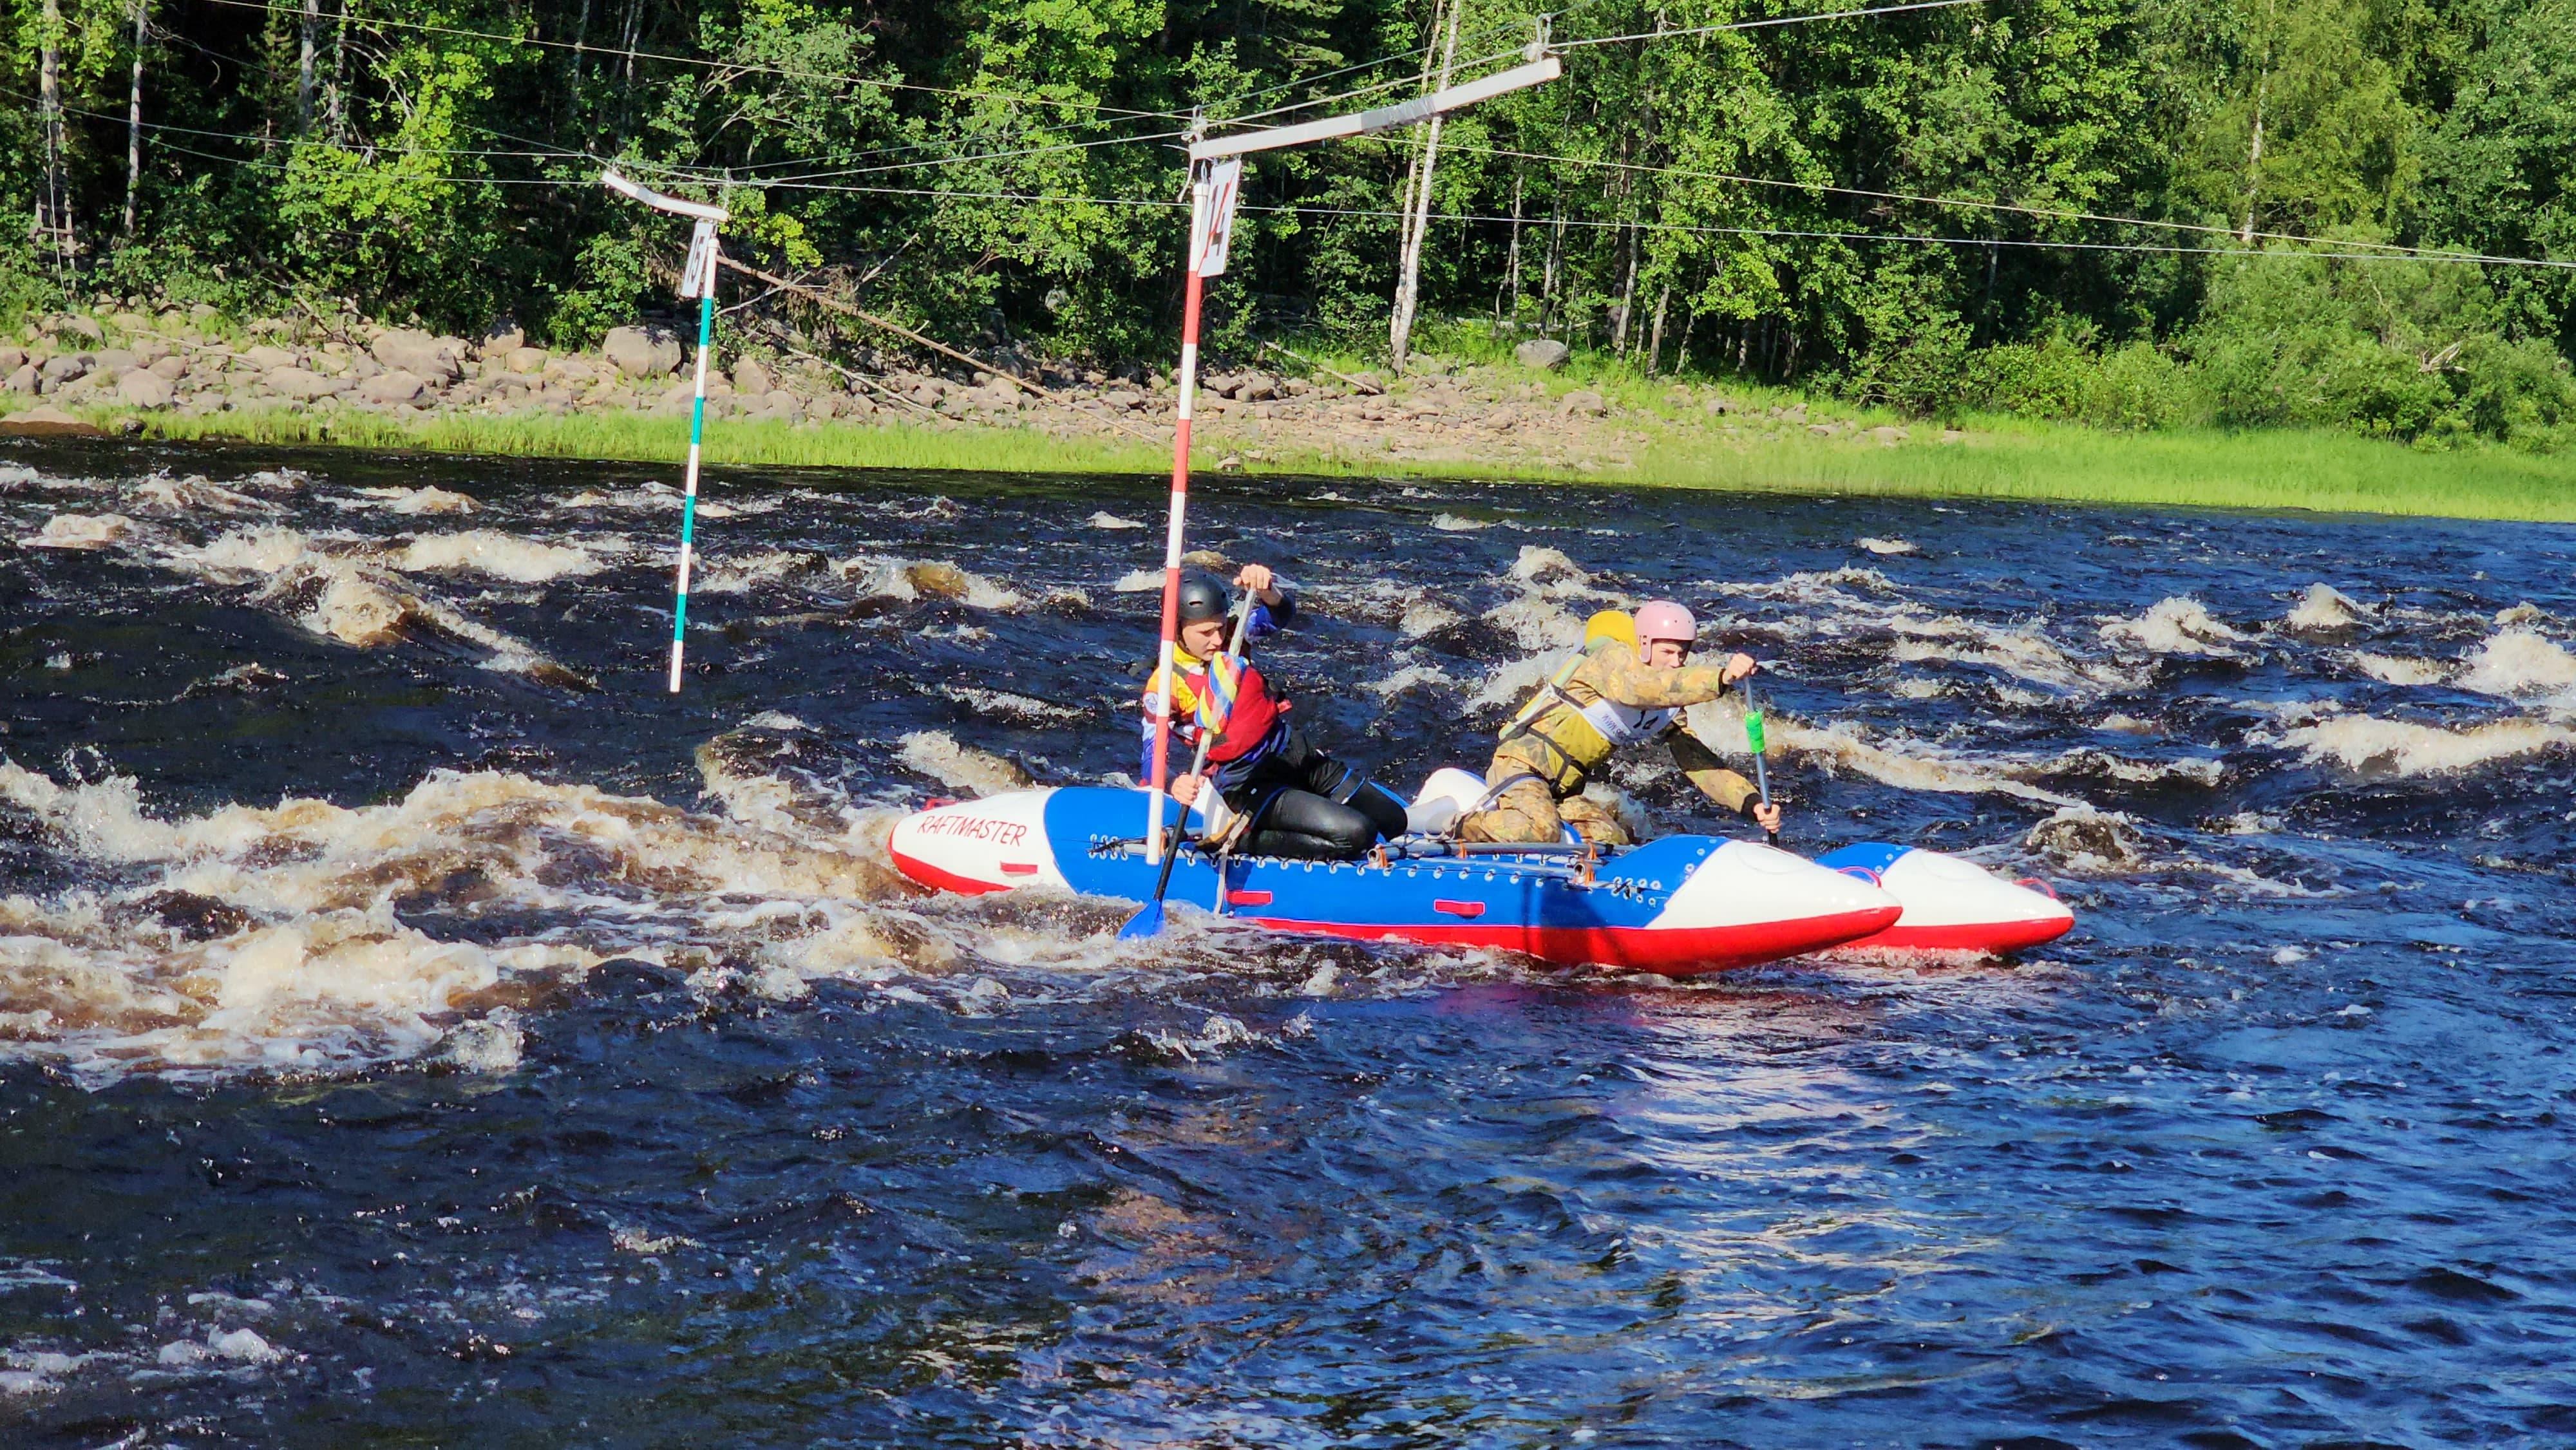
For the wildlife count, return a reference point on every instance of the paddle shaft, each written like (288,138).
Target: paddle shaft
(1198,762)
(1753,737)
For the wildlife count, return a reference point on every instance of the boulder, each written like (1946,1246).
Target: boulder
(504,338)
(409,350)
(393,386)
(752,378)
(1255,387)
(641,352)
(130,323)
(1888,436)
(268,358)
(1718,405)
(1543,353)
(525,360)
(75,325)
(1589,403)
(143,388)
(150,350)
(62,367)
(202,313)
(173,367)
(302,385)
(10,358)
(47,421)
(22,379)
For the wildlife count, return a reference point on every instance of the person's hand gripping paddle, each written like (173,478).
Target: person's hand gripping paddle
(1753,737)
(1215,703)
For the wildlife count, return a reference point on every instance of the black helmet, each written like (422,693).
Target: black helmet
(1202,598)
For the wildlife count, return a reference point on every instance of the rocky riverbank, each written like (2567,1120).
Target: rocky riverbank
(123,369)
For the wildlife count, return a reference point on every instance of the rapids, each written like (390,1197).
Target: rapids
(416,1027)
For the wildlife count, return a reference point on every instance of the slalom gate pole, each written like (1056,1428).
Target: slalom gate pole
(1149,921)
(698,280)
(1187,381)
(689,492)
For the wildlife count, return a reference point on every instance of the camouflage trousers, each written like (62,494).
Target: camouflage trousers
(1527,811)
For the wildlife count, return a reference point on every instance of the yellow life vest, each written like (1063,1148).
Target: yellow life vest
(1582,736)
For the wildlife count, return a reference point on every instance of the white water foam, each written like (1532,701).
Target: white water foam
(265,937)
(2520,662)
(2405,747)
(936,753)
(80,532)
(2322,609)
(414,502)
(2398,670)
(913,579)
(1008,705)
(2178,625)
(494,554)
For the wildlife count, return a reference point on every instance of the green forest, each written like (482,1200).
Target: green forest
(2133,213)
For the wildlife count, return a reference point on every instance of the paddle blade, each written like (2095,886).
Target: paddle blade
(1144,925)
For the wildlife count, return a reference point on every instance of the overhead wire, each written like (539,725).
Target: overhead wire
(2386,252)
(1766,23)
(825,181)
(1961,203)
(748,67)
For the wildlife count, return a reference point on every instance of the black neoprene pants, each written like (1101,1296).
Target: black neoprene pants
(1312,807)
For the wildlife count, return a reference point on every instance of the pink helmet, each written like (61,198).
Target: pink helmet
(1664,619)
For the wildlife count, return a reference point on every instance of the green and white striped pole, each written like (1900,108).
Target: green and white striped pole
(697,280)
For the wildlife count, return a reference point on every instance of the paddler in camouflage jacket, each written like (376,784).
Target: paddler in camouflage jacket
(1624,687)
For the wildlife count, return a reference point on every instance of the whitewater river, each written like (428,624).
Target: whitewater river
(418,1029)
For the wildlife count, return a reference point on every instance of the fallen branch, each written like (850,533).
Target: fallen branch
(1361,383)
(781,284)
(853,374)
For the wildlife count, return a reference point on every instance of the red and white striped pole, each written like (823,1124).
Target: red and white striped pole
(1187,381)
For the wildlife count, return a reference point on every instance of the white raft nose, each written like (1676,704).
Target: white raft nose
(1765,904)
(1953,905)
(994,844)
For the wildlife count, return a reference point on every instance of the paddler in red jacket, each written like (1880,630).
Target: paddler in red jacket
(1300,801)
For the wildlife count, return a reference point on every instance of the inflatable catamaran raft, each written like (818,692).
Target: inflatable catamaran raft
(1679,906)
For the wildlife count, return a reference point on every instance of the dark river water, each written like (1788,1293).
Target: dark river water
(418,1029)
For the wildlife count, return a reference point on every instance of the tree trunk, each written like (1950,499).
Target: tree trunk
(1655,342)
(333,115)
(580,35)
(134,124)
(53,201)
(1627,295)
(2254,165)
(308,40)
(1512,260)
(2254,143)
(1418,222)
(1548,269)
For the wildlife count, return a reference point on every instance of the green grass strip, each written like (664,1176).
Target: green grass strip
(2000,458)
